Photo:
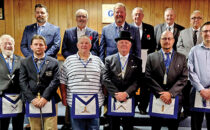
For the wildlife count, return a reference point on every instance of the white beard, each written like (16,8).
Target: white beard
(8,52)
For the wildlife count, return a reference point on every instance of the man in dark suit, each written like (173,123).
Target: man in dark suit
(39,75)
(170,25)
(148,44)
(108,44)
(166,74)
(9,77)
(122,75)
(50,32)
(71,36)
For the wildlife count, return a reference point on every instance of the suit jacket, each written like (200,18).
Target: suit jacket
(177,75)
(51,33)
(159,29)
(49,79)
(108,44)
(148,39)
(69,46)
(7,85)
(185,41)
(112,79)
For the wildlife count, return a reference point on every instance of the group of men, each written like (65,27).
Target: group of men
(111,70)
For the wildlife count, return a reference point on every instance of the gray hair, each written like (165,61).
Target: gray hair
(84,36)
(194,12)
(119,5)
(137,8)
(81,11)
(169,9)
(4,36)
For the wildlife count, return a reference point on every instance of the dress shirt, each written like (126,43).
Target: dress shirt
(8,59)
(39,60)
(124,62)
(199,66)
(80,32)
(40,29)
(172,27)
(140,29)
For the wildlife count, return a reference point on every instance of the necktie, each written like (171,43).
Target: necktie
(8,60)
(195,37)
(119,29)
(169,28)
(38,62)
(123,62)
(167,61)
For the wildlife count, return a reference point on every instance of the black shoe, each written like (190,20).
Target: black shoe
(142,112)
(66,127)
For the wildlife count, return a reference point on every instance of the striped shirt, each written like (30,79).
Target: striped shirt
(73,74)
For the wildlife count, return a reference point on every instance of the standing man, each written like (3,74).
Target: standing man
(39,75)
(71,36)
(9,82)
(169,25)
(199,74)
(108,44)
(50,32)
(166,74)
(121,77)
(187,39)
(82,73)
(146,32)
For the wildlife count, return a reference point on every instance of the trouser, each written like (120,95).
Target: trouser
(50,123)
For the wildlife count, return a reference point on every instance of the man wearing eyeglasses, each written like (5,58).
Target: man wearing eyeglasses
(199,74)
(71,36)
(188,38)
(166,74)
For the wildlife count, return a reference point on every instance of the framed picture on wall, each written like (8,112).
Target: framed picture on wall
(107,13)
(1,9)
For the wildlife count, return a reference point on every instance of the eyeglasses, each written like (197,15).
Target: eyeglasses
(165,38)
(194,18)
(206,31)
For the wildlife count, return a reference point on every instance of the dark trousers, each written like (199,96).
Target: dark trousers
(157,123)
(172,124)
(197,120)
(126,122)
(17,122)
(186,97)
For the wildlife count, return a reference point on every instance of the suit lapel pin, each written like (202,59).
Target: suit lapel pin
(47,62)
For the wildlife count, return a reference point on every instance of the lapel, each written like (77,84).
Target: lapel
(163,28)
(87,32)
(44,67)
(175,29)
(129,65)
(34,30)
(162,64)
(46,30)
(30,65)
(190,33)
(173,61)
(126,27)
(74,34)
(112,32)
(15,64)
(117,62)
(2,62)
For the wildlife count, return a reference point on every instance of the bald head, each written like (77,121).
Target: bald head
(167,41)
